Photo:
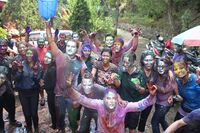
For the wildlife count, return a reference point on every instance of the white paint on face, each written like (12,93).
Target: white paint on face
(75,37)
(2,78)
(148,61)
(87,85)
(71,48)
(161,67)
(109,41)
(110,100)
(126,63)
(47,58)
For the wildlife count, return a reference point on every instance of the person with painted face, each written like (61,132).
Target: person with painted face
(111,114)
(147,60)
(109,39)
(91,90)
(48,83)
(118,47)
(105,72)
(86,50)
(41,50)
(7,100)
(131,90)
(188,87)
(27,83)
(65,63)
(166,86)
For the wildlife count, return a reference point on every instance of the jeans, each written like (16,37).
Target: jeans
(29,101)
(143,118)
(159,118)
(7,101)
(51,105)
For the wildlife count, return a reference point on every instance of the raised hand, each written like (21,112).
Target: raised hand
(28,29)
(135,32)
(56,32)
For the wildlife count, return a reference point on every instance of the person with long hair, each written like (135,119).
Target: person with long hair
(27,80)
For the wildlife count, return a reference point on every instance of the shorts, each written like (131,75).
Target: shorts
(131,120)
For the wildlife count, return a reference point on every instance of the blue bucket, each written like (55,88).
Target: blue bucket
(47,8)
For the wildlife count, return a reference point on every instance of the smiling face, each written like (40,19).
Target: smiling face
(180,69)
(86,52)
(71,48)
(161,67)
(117,46)
(75,36)
(109,41)
(3,48)
(48,58)
(105,57)
(148,62)
(110,101)
(29,55)
(87,85)
(126,63)
(22,49)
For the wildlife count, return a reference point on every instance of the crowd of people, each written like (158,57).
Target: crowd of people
(102,80)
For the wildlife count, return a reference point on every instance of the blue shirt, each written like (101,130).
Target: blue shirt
(190,91)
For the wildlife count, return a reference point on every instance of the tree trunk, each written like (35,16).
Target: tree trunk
(117,16)
(169,13)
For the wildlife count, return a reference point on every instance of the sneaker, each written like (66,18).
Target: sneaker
(16,123)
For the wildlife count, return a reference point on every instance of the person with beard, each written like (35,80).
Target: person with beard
(111,114)
(65,63)
(166,86)
(48,83)
(61,42)
(192,120)
(189,89)
(27,80)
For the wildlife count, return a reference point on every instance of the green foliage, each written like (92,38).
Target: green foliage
(3,33)
(145,20)
(185,20)
(151,8)
(100,21)
(23,12)
(80,18)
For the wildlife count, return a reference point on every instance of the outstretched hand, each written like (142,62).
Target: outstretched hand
(135,32)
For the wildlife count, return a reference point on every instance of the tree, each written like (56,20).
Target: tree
(80,18)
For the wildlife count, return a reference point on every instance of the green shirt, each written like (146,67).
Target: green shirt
(127,89)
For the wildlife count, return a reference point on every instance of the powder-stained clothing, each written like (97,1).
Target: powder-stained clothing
(190,92)
(101,73)
(169,86)
(128,89)
(113,122)
(64,66)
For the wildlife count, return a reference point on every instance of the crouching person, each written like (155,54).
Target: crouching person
(111,114)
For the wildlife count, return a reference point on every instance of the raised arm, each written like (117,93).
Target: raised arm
(50,39)
(133,43)
(81,99)
(174,126)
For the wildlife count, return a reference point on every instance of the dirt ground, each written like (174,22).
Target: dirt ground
(44,117)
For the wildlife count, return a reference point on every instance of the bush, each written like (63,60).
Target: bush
(3,33)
